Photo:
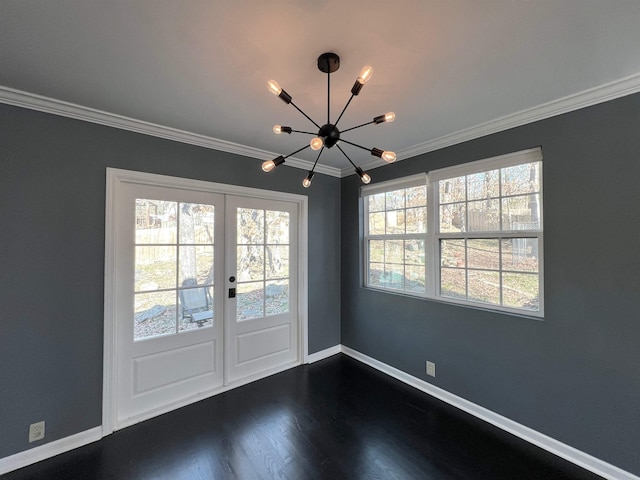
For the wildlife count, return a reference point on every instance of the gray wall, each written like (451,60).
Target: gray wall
(576,375)
(52,203)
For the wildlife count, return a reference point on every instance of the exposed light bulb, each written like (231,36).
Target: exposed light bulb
(273,87)
(363,175)
(277,129)
(316,143)
(268,165)
(389,157)
(306,183)
(387,117)
(365,74)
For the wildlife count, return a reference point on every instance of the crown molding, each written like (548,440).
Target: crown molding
(602,93)
(41,103)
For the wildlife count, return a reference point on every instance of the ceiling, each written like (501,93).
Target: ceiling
(196,70)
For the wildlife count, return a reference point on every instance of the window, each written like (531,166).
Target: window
(475,238)
(396,234)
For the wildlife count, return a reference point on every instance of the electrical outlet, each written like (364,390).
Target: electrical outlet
(36,431)
(431,369)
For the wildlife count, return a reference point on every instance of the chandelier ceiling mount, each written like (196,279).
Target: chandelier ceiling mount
(328,135)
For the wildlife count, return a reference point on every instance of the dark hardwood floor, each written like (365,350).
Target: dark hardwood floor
(335,419)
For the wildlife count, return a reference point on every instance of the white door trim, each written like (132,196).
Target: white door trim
(115,178)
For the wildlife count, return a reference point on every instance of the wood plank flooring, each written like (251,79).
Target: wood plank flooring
(335,419)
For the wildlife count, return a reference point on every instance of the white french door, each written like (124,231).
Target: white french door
(202,293)
(169,250)
(261,314)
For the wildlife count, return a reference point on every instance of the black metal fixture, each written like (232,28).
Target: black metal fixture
(328,134)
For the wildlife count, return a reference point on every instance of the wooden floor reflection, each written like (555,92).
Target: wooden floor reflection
(335,419)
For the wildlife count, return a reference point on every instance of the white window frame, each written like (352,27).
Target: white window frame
(433,236)
(392,185)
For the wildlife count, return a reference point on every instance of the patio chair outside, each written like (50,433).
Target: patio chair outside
(196,303)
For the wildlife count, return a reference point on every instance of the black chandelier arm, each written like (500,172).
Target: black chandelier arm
(299,150)
(344,109)
(355,145)
(359,126)
(307,133)
(346,156)
(308,117)
(317,158)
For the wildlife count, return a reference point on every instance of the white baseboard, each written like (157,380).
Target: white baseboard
(48,450)
(541,440)
(322,354)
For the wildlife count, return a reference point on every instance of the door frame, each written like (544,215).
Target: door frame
(114,179)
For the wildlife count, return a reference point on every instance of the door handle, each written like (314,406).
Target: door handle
(232,293)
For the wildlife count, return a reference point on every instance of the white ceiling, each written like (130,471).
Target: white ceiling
(449,69)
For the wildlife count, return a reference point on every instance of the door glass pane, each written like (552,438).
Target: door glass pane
(155,268)
(250,226)
(277,262)
(196,265)
(277,297)
(196,223)
(250,262)
(250,300)
(154,314)
(155,221)
(277,227)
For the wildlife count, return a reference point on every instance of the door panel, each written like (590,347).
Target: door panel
(262,316)
(169,297)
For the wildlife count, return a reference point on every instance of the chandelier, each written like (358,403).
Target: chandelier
(328,135)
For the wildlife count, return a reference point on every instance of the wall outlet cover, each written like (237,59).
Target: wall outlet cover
(36,431)
(431,369)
